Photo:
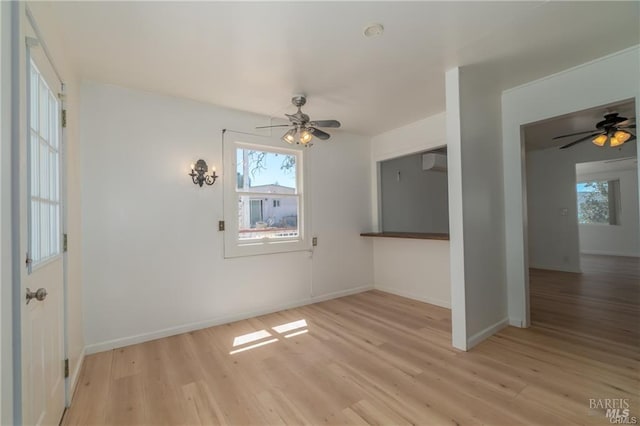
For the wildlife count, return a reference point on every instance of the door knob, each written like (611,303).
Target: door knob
(40,294)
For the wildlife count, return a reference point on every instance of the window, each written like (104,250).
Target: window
(265,212)
(598,202)
(44,170)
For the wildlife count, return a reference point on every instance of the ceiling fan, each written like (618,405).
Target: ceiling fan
(610,129)
(302,128)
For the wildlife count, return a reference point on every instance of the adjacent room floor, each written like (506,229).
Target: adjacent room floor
(375,358)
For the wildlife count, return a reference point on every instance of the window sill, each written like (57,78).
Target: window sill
(408,235)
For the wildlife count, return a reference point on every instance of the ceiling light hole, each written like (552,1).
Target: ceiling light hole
(373,30)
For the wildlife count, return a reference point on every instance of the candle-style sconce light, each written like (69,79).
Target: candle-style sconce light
(199,174)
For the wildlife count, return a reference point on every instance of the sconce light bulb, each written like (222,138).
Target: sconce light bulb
(193,166)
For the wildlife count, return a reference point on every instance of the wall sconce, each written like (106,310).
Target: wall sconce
(199,174)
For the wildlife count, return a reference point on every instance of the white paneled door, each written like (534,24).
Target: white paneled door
(42,313)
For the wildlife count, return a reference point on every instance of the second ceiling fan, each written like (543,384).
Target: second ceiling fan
(303,130)
(612,129)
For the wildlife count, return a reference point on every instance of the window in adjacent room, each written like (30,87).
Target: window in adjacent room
(598,202)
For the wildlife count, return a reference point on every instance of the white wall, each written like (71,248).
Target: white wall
(551,187)
(153,257)
(413,199)
(615,240)
(576,89)
(474,143)
(418,269)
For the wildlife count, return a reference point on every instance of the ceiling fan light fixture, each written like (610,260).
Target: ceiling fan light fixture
(297,136)
(304,136)
(290,136)
(620,137)
(600,140)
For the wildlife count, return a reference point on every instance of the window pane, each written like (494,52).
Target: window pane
(44,231)
(267,217)
(53,121)
(35,230)
(55,228)
(44,110)
(53,172)
(44,170)
(34,153)
(262,171)
(593,202)
(34,86)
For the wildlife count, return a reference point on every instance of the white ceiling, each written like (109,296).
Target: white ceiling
(607,165)
(254,56)
(540,135)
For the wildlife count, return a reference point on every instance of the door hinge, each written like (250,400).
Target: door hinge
(64,118)
(28,261)
(64,243)
(221,225)
(66,368)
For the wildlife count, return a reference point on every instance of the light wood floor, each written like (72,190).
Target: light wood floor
(603,302)
(375,358)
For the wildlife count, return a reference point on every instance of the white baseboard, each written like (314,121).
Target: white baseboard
(555,268)
(609,253)
(516,322)
(172,331)
(481,335)
(73,379)
(408,295)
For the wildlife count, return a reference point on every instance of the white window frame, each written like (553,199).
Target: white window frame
(233,246)
(53,198)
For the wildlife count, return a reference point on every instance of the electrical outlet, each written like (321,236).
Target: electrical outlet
(314,241)
(221,225)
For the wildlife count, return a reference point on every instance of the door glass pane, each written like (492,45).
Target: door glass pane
(53,121)
(34,87)
(44,110)
(44,170)
(34,152)
(44,231)
(35,229)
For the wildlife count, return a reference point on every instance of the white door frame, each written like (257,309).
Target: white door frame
(6,233)
(575,89)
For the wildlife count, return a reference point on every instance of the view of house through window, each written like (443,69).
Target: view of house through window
(268,197)
(598,202)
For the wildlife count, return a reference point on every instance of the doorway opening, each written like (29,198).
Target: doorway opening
(583,237)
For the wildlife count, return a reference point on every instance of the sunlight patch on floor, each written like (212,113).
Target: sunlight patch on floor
(283,328)
(257,345)
(294,328)
(250,337)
